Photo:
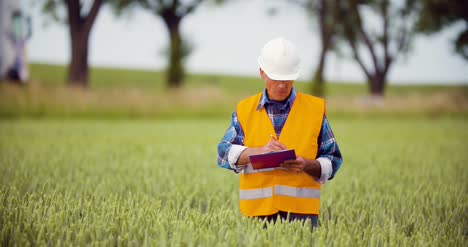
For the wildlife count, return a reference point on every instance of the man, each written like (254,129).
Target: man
(280,118)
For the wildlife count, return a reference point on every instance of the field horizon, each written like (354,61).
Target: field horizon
(117,93)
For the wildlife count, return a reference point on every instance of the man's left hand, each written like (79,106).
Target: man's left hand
(297,165)
(311,167)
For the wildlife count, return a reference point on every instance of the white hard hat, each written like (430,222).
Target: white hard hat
(279,60)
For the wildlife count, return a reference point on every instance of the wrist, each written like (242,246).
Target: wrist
(313,168)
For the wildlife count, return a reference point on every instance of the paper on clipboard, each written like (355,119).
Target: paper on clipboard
(271,160)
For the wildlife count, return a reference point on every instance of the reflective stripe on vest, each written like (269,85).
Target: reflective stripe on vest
(249,169)
(255,194)
(296,192)
(279,190)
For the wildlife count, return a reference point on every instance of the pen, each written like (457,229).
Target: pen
(273,137)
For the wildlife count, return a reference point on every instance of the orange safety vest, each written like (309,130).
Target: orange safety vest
(267,191)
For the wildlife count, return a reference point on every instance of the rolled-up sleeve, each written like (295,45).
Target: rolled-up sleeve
(231,146)
(328,155)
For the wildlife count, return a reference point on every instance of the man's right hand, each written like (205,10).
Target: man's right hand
(271,146)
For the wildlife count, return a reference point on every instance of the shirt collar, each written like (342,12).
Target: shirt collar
(264,99)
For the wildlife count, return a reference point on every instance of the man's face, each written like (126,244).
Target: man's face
(276,90)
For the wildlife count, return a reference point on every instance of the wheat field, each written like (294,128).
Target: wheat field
(156,183)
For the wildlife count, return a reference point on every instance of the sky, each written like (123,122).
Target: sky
(227,40)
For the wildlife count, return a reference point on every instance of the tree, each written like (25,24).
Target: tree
(172,15)
(326,14)
(80,17)
(172,12)
(436,15)
(382,40)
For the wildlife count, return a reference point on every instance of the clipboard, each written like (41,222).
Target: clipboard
(271,160)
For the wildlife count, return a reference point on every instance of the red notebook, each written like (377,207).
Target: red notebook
(273,159)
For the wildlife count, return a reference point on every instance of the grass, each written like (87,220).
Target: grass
(142,94)
(106,78)
(155,182)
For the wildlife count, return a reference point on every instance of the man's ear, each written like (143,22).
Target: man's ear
(262,73)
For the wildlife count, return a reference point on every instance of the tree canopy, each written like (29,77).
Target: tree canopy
(436,15)
(378,31)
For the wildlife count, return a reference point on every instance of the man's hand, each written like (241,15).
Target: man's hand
(311,167)
(272,146)
(296,165)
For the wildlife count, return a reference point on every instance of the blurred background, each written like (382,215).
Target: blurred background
(111,112)
(159,58)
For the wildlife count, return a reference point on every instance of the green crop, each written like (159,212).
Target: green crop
(156,183)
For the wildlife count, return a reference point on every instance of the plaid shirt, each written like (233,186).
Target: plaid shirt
(278,113)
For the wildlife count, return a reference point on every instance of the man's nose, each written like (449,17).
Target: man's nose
(281,84)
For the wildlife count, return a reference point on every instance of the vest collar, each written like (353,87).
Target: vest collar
(264,99)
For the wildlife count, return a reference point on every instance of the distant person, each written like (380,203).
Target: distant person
(275,119)
(18,36)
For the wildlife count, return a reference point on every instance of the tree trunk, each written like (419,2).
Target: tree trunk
(175,70)
(326,35)
(78,69)
(80,28)
(318,87)
(377,84)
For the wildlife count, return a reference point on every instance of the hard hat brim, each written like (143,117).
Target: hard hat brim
(276,76)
